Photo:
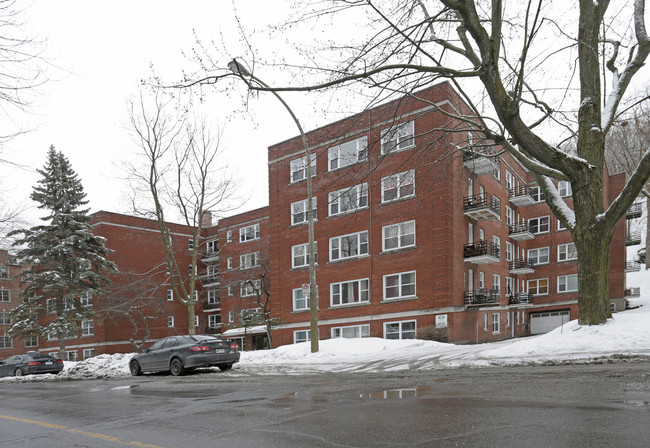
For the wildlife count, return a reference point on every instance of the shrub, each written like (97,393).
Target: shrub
(431,333)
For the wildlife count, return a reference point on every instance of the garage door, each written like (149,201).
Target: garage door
(545,322)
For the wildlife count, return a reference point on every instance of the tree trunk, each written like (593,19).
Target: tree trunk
(647,232)
(190,316)
(593,277)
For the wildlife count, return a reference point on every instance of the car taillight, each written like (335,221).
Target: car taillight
(234,346)
(33,363)
(200,348)
(58,361)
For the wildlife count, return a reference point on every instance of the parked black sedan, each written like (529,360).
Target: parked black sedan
(29,364)
(177,354)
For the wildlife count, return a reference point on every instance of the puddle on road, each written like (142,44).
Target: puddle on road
(396,394)
(124,387)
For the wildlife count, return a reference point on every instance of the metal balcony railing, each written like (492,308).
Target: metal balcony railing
(632,266)
(520,232)
(481,252)
(480,163)
(633,238)
(635,211)
(482,296)
(520,196)
(482,206)
(519,298)
(633,292)
(521,266)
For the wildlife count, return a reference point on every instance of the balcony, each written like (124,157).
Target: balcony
(632,266)
(520,232)
(635,211)
(481,252)
(210,256)
(210,280)
(482,296)
(520,298)
(633,238)
(521,266)
(212,330)
(482,206)
(520,196)
(479,164)
(633,292)
(211,305)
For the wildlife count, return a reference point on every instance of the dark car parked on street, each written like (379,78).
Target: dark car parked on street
(29,364)
(177,354)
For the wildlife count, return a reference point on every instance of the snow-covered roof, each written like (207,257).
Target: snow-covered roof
(258,329)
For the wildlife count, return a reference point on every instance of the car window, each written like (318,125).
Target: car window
(13,360)
(171,342)
(158,345)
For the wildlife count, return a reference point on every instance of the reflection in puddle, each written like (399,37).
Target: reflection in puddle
(396,394)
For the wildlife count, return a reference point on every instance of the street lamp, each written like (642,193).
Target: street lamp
(238,69)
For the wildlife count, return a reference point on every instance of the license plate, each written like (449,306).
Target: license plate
(48,363)
(220,350)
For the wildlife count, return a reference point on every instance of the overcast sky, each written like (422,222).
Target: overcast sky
(102,49)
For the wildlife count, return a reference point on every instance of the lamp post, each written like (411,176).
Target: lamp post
(241,71)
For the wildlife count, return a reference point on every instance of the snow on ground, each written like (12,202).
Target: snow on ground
(626,334)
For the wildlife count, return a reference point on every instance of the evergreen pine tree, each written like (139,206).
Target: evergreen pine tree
(62,259)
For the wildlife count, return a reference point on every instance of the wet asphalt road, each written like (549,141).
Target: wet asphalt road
(596,405)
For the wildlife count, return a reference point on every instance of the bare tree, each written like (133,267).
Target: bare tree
(533,75)
(177,169)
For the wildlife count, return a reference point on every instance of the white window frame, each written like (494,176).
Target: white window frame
(536,287)
(404,236)
(564,282)
(249,288)
(397,182)
(560,226)
(496,283)
(348,200)
(358,153)
(231,291)
(298,296)
(564,188)
(510,180)
(298,168)
(86,299)
(214,321)
(400,285)
(301,336)
(510,216)
(360,286)
(50,305)
(196,320)
(539,255)
(229,236)
(400,329)
(213,296)
(496,323)
(362,330)
(87,328)
(510,251)
(299,211)
(190,244)
(536,193)
(249,261)
(170,321)
(88,353)
(300,255)
(231,316)
(567,252)
(398,138)
(31,341)
(244,231)
(542,222)
(229,263)
(341,242)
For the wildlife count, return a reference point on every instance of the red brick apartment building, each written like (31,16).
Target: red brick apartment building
(413,231)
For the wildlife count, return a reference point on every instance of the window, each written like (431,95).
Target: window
(300,301)
(560,226)
(71,355)
(538,286)
(567,283)
(5,341)
(510,181)
(485,322)
(4,272)
(398,186)
(196,295)
(213,296)
(170,321)
(398,236)
(566,252)
(300,255)
(229,236)
(348,153)
(5,295)
(564,188)
(355,331)
(397,137)
(349,246)
(87,328)
(68,304)
(301,336)
(170,295)
(88,353)
(510,216)
(190,244)
(87,299)
(539,225)
(497,243)
(399,330)
(496,322)
(496,283)
(229,263)
(348,199)
(231,316)
(249,233)
(510,251)
(299,169)
(481,280)
(248,261)
(211,247)
(536,193)
(214,320)
(211,274)
(249,288)
(344,293)
(539,255)
(400,285)
(299,211)
(510,285)
(196,321)
(31,341)
(5,318)
(50,305)
(231,290)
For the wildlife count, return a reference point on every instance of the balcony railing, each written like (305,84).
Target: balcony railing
(209,256)
(633,292)
(519,298)
(481,252)
(209,279)
(520,232)
(479,164)
(632,266)
(633,238)
(635,211)
(520,196)
(211,305)
(521,266)
(482,296)
(482,206)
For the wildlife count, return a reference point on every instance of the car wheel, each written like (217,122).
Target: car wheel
(176,367)
(225,366)
(134,367)
(18,372)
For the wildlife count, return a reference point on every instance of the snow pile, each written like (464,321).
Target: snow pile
(101,366)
